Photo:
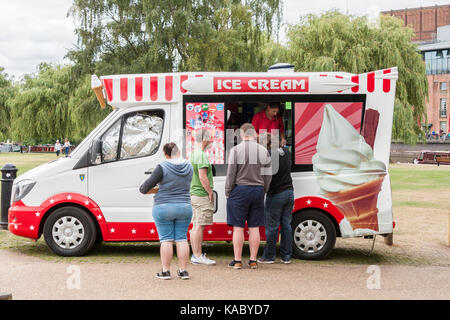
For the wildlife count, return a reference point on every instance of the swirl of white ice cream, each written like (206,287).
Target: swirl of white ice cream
(343,159)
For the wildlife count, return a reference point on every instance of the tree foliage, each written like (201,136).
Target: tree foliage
(6,92)
(137,36)
(39,109)
(149,36)
(337,42)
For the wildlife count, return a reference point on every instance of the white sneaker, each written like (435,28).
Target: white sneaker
(202,260)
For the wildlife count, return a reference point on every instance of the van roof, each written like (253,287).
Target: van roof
(128,90)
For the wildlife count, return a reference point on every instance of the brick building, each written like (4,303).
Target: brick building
(437,63)
(424,21)
(432,34)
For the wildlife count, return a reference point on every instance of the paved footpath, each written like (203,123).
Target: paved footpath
(32,278)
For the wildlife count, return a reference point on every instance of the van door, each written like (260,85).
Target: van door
(130,151)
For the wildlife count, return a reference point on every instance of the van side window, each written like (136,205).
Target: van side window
(110,142)
(142,133)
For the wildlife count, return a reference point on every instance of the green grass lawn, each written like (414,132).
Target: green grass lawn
(417,178)
(404,178)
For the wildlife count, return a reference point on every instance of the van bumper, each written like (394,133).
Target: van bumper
(24,220)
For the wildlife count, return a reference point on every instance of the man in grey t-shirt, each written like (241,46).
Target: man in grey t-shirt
(248,179)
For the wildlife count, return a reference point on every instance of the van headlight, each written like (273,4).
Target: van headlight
(21,189)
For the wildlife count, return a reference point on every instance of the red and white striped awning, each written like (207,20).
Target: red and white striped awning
(136,89)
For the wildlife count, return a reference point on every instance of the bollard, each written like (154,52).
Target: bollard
(5,296)
(389,239)
(9,172)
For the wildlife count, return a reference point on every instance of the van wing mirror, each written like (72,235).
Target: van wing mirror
(95,152)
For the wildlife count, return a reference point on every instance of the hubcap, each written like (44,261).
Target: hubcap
(68,232)
(310,236)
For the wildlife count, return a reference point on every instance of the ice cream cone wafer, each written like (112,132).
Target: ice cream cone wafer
(99,93)
(359,204)
(97,86)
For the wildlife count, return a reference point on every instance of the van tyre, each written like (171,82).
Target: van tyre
(69,231)
(314,235)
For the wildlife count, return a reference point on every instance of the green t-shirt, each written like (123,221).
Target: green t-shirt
(199,160)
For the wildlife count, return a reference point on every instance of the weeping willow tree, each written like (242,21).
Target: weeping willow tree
(6,92)
(336,42)
(84,109)
(39,111)
(143,36)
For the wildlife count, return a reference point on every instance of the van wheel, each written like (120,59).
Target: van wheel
(314,235)
(69,231)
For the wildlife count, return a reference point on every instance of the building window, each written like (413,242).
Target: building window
(437,61)
(443,86)
(443,126)
(443,108)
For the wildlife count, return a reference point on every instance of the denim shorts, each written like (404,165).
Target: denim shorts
(172,221)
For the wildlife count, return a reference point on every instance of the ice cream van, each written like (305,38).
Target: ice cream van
(337,125)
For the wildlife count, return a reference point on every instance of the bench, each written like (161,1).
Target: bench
(443,159)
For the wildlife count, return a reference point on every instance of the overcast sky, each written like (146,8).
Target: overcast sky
(40,31)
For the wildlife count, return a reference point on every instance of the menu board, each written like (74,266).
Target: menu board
(209,116)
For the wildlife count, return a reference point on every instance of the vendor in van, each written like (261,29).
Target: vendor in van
(269,119)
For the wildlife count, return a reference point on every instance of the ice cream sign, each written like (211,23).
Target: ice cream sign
(261,84)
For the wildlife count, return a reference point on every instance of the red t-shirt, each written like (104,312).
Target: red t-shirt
(261,122)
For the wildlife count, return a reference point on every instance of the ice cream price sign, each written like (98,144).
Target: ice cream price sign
(207,116)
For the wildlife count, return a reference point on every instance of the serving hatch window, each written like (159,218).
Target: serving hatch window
(223,116)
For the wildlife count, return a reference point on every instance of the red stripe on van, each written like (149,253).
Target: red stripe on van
(355,79)
(183,78)
(123,89)
(108,88)
(371,82)
(319,203)
(154,88)
(169,88)
(138,89)
(386,82)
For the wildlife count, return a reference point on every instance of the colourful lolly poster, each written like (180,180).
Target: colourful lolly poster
(209,116)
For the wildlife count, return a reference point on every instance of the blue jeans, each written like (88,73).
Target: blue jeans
(278,212)
(172,221)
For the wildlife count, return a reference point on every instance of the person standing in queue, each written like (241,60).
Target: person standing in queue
(201,196)
(269,119)
(279,202)
(248,179)
(172,209)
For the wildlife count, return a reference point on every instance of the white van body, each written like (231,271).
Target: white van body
(108,191)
